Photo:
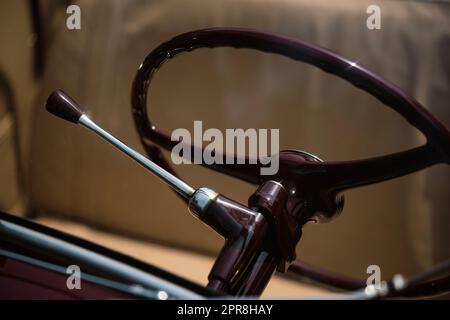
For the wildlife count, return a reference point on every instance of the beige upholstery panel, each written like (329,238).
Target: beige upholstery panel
(17,89)
(398,225)
(9,186)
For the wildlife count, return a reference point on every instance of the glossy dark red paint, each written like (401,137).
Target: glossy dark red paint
(21,280)
(244,230)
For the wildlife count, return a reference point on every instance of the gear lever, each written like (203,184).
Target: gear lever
(61,105)
(244,229)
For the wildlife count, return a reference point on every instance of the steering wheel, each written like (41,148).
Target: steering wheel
(310,182)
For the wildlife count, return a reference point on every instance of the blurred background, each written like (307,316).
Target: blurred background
(62,176)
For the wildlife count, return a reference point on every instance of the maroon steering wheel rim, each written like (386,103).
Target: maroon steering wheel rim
(323,180)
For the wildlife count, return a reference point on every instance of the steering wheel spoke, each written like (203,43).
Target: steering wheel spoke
(351,174)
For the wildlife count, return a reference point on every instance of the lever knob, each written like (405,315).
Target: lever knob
(61,105)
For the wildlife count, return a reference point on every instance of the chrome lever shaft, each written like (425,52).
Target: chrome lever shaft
(175,183)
